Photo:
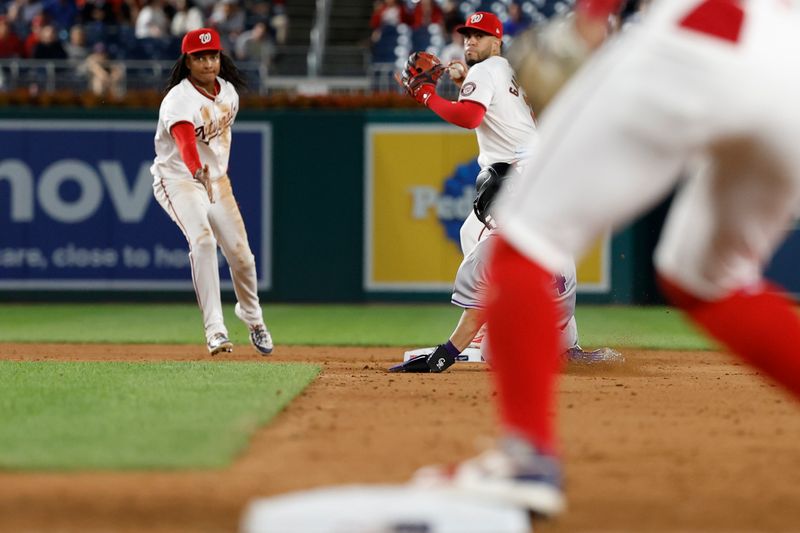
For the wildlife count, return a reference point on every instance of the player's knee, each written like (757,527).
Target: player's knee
(242,261)
(204,243)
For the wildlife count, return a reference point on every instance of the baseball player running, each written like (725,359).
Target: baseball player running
(613,143)
(193,143)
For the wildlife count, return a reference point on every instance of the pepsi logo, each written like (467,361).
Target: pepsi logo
(205,38)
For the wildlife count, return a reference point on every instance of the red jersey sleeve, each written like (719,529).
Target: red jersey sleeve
(465,114)
(183,133)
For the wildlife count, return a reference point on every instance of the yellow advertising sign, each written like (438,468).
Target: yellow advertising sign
(406,243)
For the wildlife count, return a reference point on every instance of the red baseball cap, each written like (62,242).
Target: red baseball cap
(485,22)
(200,40)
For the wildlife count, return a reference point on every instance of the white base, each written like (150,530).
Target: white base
(381,508)
(470,355)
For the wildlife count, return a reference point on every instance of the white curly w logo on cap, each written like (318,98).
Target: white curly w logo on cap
(205,38)
(476,18)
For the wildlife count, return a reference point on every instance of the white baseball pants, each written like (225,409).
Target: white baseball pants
(206,225)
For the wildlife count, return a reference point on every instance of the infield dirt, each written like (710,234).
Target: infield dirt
(667,441)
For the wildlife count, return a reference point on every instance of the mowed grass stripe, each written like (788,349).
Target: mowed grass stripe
(193,415)
(343,325)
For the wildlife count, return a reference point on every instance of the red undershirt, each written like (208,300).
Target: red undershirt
(465,113)
(183,133)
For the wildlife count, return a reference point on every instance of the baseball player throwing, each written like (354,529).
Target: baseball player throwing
(193,143)
(491,102)
(709,78)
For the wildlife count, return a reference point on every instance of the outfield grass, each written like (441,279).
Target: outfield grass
(64,416)
(354,325)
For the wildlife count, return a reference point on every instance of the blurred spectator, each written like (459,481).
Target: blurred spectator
(228,19)
(255,45)
(108,19)
(257,11)
(454,50)
(388,13)
(76,45)
(516,22)
(48,47)
(152,20)
(98,11)
(21,14)
(125,11)
(279,21)
(104,76)
(187,17)
(33,36)
(10,44)
(206,6)
(426,12)
(62,13)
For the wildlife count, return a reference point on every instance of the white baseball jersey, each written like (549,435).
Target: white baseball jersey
(504,134)
(212,120)
(615,139)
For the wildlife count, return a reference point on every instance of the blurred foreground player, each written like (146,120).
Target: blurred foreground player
(612,144)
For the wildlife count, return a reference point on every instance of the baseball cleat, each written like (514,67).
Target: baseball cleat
(513,473)
(576,354)
(261,339)
(219,343)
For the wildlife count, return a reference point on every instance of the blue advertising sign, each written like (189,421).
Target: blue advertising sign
(77,209)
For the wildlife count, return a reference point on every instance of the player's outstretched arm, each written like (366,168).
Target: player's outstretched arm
(444,355)
(419,78)
(468,325)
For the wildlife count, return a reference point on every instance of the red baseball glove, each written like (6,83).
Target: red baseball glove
(420,75)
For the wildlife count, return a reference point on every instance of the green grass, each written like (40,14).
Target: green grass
(662,328)
(65,416)
(353,325)
(71,416)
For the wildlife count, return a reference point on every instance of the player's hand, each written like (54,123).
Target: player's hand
(204,178)
(440,360)
(546,56)
(437,361)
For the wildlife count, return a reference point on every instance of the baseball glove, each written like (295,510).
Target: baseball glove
(420,75)
(545,57)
